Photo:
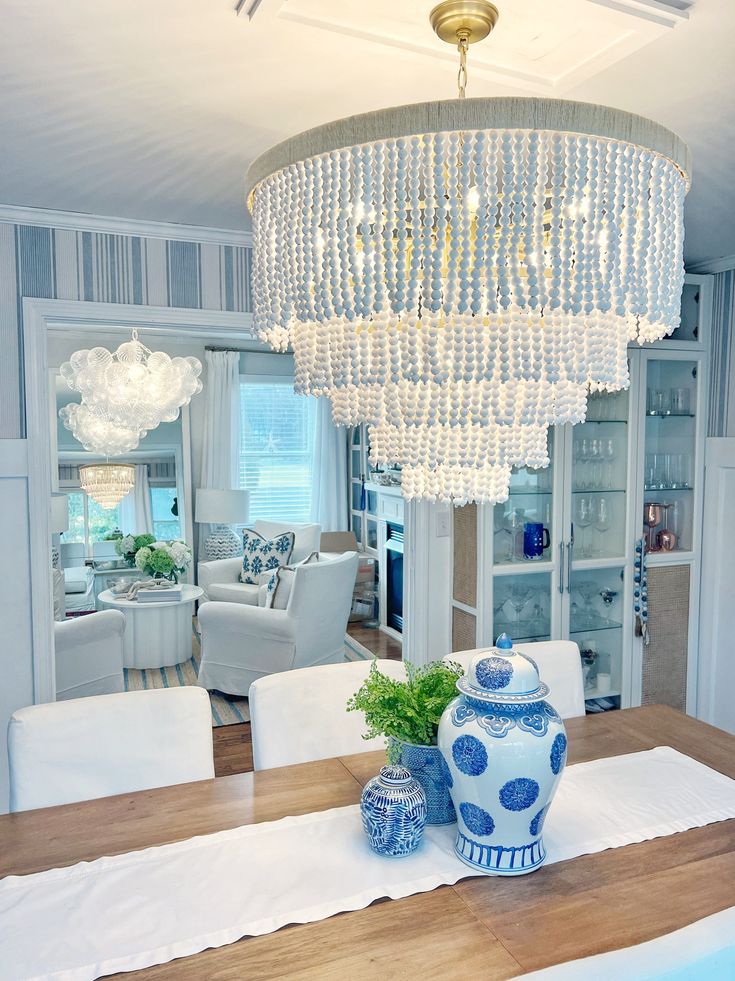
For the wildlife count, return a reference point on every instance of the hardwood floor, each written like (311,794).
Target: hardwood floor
(376,641)
(233,749)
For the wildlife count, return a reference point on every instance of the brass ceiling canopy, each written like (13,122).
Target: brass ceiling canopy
(463,20)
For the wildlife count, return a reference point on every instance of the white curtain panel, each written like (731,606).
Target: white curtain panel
(721,421)
(221,438)
(136,516)
(329,471)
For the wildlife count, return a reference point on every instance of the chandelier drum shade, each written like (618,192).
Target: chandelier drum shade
(107,483)
(125,393)
(460,274)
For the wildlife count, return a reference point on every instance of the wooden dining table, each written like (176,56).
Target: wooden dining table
(482,927)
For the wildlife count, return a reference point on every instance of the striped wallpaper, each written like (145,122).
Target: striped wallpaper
(63,264)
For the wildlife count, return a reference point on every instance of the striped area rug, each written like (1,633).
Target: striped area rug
(226,711)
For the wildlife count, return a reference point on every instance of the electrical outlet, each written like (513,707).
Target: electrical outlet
(442,523)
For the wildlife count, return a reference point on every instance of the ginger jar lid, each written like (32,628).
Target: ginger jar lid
(502,675)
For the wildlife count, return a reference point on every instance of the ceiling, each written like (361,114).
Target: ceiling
(153,110)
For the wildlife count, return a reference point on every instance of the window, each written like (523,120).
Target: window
(166,525)
(277,438)
(88,522)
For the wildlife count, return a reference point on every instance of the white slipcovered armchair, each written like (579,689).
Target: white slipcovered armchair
(220,579)
(89,655)
(241,643)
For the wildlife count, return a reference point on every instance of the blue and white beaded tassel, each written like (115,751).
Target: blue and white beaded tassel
(640,591)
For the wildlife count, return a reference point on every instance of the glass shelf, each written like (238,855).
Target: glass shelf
(606,490)
(670,415)
(527,492)
(648,489)
(602,624)
(604,422)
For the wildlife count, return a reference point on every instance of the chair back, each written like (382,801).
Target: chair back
(306,536)
(89,655)
(86,748)
(299,716)
(560,667)
(321,600)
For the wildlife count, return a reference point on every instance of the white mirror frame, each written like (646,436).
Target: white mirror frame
(40,315)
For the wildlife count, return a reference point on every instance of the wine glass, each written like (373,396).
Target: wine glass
(651,518)
(602,518)
(513,521)
(588,589)
(583,517)
(519,596)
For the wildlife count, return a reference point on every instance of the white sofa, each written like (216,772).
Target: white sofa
(220,579)
(86,748)
(299,716)
(241,643)
(89,655)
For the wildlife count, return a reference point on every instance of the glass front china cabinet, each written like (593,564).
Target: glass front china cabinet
(556,560)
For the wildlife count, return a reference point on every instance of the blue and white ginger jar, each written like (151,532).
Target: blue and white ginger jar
(505,748)
(393,809)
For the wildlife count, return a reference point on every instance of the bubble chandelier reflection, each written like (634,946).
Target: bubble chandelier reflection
(461,274)
(126,392)
(96,434)
(107,483)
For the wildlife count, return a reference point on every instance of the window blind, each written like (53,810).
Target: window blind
(276,445)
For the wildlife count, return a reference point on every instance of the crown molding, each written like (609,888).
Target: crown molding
(80,222)
(722,264)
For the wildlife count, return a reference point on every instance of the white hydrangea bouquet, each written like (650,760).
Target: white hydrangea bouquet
(163,559)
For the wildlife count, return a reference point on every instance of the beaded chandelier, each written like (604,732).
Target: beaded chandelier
(461,274)
(107,483)
(125,393)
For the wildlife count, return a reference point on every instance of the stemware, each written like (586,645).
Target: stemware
(651,518)
(666,538)
(519,596)
(583,517)
(513,522)
(602,519)
(588,589)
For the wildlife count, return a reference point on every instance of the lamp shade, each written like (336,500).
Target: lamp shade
(222,507)
(59,514)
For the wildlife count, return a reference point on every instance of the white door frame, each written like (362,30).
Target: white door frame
(39,315)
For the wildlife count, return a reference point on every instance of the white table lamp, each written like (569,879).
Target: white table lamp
(59,514)
(222,508)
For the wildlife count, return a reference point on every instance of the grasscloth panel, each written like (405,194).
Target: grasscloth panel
(665,658)
(464,572)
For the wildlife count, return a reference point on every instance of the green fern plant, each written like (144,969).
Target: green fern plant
(408,710)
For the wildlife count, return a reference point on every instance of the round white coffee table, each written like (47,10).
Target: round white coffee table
(157,635)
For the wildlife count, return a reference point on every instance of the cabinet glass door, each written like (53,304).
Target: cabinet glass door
(523,525)
(595,624)
(669,455)
(522,606)
(599,478)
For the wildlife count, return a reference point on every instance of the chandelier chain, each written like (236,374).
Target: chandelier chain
(462,73)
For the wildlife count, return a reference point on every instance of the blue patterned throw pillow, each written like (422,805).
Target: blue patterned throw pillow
(263,554)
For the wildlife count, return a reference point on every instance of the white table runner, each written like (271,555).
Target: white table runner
(148,907)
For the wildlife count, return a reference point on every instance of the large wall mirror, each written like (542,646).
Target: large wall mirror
(160,502)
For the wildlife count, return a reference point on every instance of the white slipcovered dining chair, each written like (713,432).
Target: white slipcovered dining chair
(89,655)
(220,579)
(243,643)
(86,748)
(299,716)
(560,667)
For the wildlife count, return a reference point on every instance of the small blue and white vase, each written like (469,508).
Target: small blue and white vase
(427,765)
(505,748)
(393,809)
